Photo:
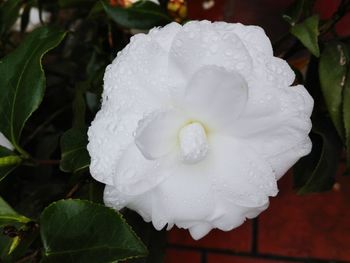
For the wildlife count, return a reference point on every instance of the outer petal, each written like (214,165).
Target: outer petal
(253,37)
(165,35)
(275,123)
(267,69)
(241,175)
(135,175)
(135,84)
(109,137)
(198,44)
(142,204)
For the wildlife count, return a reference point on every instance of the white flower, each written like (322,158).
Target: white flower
(4,142)
(197,124)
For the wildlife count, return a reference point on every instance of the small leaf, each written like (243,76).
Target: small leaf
(8,215)
(307,32)
(332,71)
(9,12)
(316,171)
(75,156)
(298,9)
(22,81)
(82,231)
(141,15)
(8,162)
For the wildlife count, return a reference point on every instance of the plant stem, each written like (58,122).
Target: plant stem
(343,8)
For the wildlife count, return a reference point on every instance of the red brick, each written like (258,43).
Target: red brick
(315,225)
(219,258)
(176,256)
(238,239)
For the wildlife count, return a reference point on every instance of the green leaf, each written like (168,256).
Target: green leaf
(22,81)
(307,32)
(8,162)
(13,247)
(297,9)
(332,71)
(76,3)
(316,171)
(82,231)
(9,12)
(154,240)
(8,215)
(75,156)
(142,15)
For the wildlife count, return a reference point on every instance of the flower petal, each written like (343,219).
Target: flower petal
(215,96)
(134,179)
(275,122)
(253,37)
(156,134)
(240,175)
(198,44)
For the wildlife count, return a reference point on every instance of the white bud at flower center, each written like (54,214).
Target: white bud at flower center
(193,143)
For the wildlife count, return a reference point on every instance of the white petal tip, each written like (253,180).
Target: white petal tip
(199,231)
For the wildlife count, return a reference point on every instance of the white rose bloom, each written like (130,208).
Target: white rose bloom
(4,142)
(197,124)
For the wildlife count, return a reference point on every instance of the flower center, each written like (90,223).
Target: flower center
(193,143)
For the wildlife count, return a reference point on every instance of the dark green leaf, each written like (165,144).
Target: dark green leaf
(76,3)
(143,15)
(8,162)
(307,32)
(75,156)
(22,81)
(12,247)
(82,231)
(79,106)
(316,171)
(9,12)
(96,10)
(155,240)
(8,215)
(332,72)
(297,9)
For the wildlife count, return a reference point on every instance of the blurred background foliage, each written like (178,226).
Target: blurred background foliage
(53,54)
